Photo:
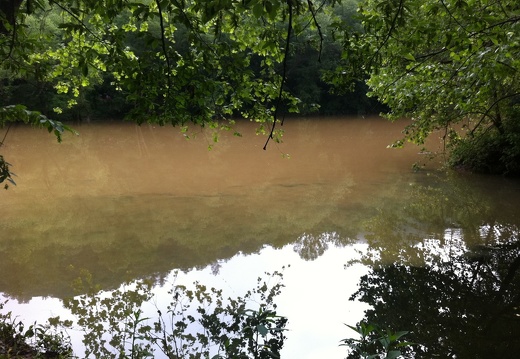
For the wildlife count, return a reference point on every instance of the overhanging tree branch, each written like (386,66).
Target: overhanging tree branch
(488,110)
(284,73)
(453,16)
(285,58)
(318,26)
(389,33)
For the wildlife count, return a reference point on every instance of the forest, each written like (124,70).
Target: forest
(98,97)
(449,65)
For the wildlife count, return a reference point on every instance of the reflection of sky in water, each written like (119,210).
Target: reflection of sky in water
(315,297)
(443,250)
(338,187)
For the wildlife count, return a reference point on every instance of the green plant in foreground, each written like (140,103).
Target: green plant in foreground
(374,343)
(5,172)
(35,341)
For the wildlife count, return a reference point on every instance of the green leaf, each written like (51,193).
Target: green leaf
(29,333)
(393,354)
(258,10)
(409,56)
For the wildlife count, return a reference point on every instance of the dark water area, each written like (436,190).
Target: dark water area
(433,252)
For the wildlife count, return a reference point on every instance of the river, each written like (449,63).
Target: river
(426,250)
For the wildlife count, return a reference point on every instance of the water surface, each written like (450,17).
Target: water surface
(127,202)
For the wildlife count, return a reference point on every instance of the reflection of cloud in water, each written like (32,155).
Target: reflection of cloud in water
(315,296)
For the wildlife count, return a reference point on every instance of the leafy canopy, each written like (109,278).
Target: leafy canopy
(450,65)
(174,61)
(232,64)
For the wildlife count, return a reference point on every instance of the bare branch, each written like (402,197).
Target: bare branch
(488,110)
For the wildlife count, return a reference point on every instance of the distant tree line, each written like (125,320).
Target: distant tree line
(100,99)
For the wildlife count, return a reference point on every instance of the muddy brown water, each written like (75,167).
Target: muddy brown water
(119,193)
(127,202)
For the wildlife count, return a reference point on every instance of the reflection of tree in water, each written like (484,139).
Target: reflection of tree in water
(445,265)
(425,212)
(462,302)
(215,267)
(310,246)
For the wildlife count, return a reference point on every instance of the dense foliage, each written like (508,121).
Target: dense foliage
(450,65)
(103,90)
(18,340)
(168,62)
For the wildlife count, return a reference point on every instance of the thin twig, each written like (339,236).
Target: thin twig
(313,13)
(488,110)
(6,132)
(511,20)
(452,16)
(83,25)
(284,72)
(389,33)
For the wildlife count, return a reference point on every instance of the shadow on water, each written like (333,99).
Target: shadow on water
(441,250)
